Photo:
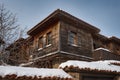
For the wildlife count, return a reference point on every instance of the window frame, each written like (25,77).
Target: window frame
(72,38)
(40,42)
(49,38)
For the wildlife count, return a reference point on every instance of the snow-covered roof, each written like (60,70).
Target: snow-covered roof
(102,49)
(32,72)
(106,65)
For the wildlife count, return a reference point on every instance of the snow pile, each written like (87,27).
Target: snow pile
(102,49)
(107,65)
(24,71)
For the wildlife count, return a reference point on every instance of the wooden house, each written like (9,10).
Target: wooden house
(61,37)
(17,52)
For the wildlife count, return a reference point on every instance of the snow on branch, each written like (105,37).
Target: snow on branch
(16,72)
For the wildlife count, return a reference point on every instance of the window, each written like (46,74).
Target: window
(40,42)
(72,38)
(96,45)
(49,38)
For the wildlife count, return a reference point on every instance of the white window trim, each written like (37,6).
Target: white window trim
(40,49)
(48,45)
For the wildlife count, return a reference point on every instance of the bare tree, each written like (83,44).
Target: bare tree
(8,28)
(18,53)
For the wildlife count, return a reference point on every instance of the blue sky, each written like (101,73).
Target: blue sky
(104,14)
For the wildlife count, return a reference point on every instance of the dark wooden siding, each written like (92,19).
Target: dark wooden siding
(84,44)
(105,55)
(115,48)
(54,29)
(105,42)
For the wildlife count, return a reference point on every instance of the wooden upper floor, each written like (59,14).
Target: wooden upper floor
(63,34)
(61,31)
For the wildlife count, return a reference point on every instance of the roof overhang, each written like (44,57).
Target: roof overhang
(60,15)
(114,39)
(106,66)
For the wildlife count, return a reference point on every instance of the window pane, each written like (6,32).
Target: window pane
(72,38)
(40,42)
(49,38)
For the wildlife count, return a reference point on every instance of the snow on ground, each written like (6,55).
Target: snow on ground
(102,49)
(94,65)
(25,71)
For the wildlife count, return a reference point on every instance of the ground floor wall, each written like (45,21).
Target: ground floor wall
(93,76)
(54,60)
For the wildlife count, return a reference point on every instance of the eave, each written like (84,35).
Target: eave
(88,70)
(100,37)
(110,66)
(114,39)
(63,16)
